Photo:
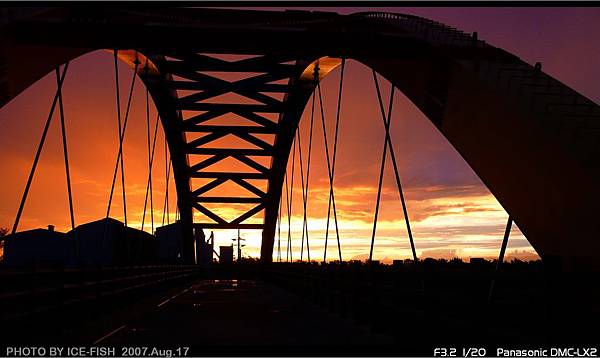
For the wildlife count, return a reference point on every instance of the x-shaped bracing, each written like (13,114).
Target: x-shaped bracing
(264,74)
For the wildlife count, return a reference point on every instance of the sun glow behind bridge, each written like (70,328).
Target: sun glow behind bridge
(450,219)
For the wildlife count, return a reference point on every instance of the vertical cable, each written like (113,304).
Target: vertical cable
(279,231)
(167,174)
(501,256)
(148,184)
(329,172)
(150,155)
(121,137)
(287,204)
(388,140)
(386,123)
(335,141)
(504,242)
(305,192)
(302,187)
(65,150)
(289,244)
(39,151)
(168,184)
(118,97)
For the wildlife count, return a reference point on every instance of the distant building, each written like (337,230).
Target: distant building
(169,239)
(108,242)
(226,254)
(142,246)
(38,247)
(204,248)
(171,245)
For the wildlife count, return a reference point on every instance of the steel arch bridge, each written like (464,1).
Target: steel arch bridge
(532,140)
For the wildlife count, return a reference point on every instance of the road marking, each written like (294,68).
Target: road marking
(169,299)
(109,334)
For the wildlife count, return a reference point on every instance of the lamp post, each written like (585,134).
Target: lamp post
(239,246)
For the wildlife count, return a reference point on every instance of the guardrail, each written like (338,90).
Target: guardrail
(26,293)
(433,31)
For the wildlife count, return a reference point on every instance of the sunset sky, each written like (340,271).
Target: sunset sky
(452,212)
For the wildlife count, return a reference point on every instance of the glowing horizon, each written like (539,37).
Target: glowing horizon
(445,217)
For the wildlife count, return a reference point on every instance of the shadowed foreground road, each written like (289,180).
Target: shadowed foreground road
(257,313)
(221,313)
(236,312)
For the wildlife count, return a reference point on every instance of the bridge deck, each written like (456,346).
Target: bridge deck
(212,316)
(236,313)
(363,310)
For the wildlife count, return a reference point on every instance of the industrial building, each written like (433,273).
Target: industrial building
(37,247)
(204,247)
(170,245)
(226,254)
(105,242)
(108,242)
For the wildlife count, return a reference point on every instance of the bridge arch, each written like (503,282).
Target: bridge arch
(532,140)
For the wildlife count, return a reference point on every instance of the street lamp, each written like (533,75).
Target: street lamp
(239,246)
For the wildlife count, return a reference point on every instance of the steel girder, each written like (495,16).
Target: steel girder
(193,90)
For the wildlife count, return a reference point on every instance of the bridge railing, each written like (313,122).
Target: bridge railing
(433,31)
(26,293)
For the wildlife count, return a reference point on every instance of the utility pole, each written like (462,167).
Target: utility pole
(239,246)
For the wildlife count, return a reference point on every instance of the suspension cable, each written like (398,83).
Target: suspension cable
(167,180)
(388,139)
(310,136)
(279,232)
(287,204)
(149,183)
(386,123)
(150,159)
(121,138)
(501,256)
(289,244)
(504,242)
(335,141)
(330,174)
(39,150)
(164,209)
(302,187)
(150,155)
(167,174)
(65,150)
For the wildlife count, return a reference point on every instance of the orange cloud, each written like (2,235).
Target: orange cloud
(450,209)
